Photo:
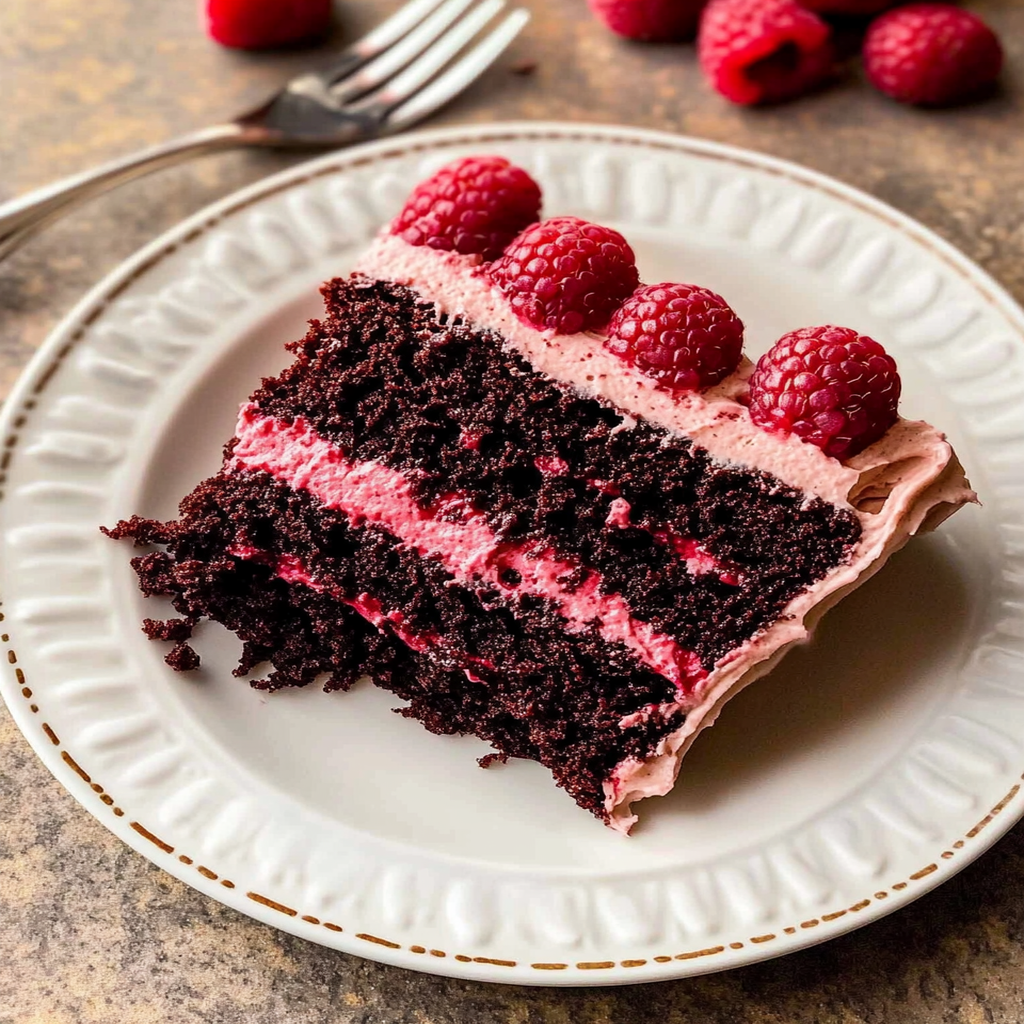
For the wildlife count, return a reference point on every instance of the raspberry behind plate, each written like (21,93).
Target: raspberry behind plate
(650,20)
(932,54)
(261,24)
(763,51)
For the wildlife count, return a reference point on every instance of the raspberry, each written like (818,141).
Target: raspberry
(257,24)
(474,205)
(830,386)
(566,274)
(686,338)
(653,21)
(763,51)
(852,8)
(931,54)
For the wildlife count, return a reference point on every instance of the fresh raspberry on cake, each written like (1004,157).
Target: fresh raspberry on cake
(830,386)
(651,21)
(260,24)
(763,51)
(474,205)
(687,338)
(931,54)
(566,274)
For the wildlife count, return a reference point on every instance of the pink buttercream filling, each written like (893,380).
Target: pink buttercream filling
(371,609)
(453,532)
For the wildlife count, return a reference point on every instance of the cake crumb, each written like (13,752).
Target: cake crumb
(182,658)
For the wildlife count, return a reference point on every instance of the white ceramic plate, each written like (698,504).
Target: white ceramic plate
(868,768)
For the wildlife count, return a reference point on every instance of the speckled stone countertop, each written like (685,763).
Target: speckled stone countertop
(91,932)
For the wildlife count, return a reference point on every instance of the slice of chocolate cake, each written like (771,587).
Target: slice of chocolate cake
(538,503)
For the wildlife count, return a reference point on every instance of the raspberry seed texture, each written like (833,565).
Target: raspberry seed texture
(474,205)
(830,386)
(686,337)
(566,274)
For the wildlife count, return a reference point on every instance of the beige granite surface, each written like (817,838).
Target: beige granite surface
(90,931)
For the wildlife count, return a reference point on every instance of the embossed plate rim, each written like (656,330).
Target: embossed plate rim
(619,971)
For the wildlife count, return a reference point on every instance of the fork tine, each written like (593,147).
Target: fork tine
(424,101)
(424,68)
(379,39)
(395,57)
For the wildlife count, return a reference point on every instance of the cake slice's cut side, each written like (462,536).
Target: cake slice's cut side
(564,584)
(456,535)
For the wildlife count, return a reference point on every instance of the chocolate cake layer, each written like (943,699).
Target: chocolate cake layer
(387,380)
(557,697)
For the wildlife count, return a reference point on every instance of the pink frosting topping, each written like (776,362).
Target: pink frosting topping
(453,532)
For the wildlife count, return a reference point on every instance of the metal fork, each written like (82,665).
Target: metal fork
(403,70)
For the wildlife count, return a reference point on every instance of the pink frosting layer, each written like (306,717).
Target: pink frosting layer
(453,532)
(905,483)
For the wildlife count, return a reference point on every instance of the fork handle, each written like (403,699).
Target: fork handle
(24,216)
